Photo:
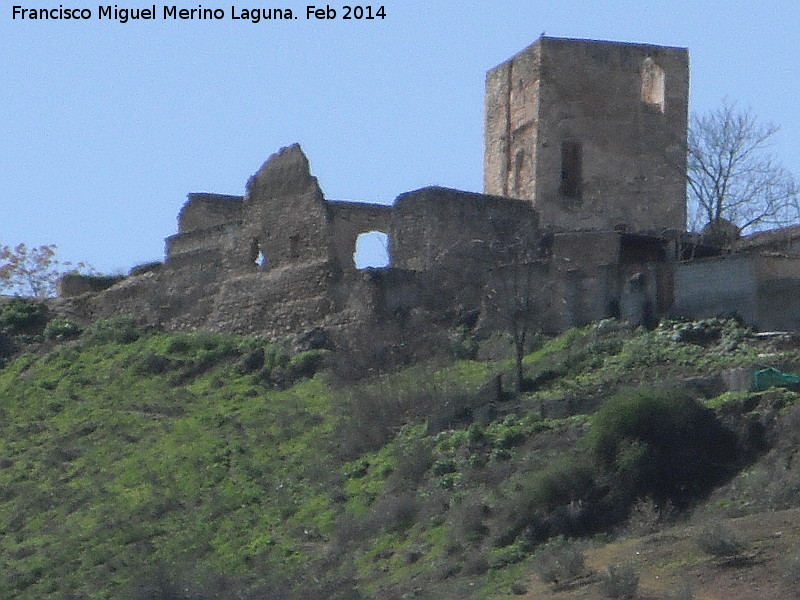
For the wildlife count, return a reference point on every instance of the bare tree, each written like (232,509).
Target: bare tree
(732,177)
(518,295)
(34,271)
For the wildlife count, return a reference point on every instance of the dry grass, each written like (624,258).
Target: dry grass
(672,566)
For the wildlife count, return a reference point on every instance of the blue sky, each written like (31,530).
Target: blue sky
(105,127)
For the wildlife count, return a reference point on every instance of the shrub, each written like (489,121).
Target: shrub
(444,466)
(564,482)
(119,330)
(660,443)
(21,316)
(560,560)
(154,364)
(395,512)
(621,581)
(252,362)
(475,565)
(306,364)
(647,516)
(469,519)
(371,413)
(791,575)
(551,502)
(411,463)
(683,592)
(717,539)
(61,329)
(275,356)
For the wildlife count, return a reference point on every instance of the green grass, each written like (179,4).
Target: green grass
(125,454)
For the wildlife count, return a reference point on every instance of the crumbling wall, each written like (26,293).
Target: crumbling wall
(202,211)
(75,284)
(784,241)
(605,274)
(435,227)
(532,286)
(348,220)
(276,303)
(510,130)
(778,293)
(284,214)
(457,237)
(209,228)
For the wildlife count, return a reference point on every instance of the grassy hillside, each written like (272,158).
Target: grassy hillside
(164,466)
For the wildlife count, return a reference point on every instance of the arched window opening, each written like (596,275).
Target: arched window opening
(653,82)
(372,250)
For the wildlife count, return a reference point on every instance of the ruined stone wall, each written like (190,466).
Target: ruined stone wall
(348,220)
(203,210)
(277,303)
(785,241)
(209,227)
(75,284)
(778,291)
(457,237)
(284,213)
(593,133)
(437,226)
(605,274)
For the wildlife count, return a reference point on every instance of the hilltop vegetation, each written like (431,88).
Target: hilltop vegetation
(191,466)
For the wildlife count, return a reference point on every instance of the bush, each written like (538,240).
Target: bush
(61,329)
(119,330)
(394,512)
(661,444)
(566,481)
(717,539)
(154,364)
(791,575)
(411,463)
(20,316)
(306,364)
(371,413)
(683,592)
(560,560)
(469,519)
(621,581)
(646,517)
(552,502)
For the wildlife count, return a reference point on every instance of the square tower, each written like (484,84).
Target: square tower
(593,133)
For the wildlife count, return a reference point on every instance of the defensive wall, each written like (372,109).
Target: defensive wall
(583,212)
(279,261)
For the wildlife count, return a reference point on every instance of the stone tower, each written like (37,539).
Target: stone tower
(592,132)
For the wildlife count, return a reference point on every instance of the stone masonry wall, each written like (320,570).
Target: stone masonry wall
(284,213)
(593,133)
(348,220)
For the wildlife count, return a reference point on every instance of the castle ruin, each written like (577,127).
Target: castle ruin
(584,193)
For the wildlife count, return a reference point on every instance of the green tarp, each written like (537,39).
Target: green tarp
(772,377)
